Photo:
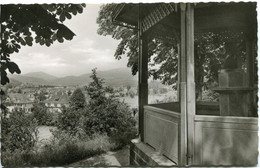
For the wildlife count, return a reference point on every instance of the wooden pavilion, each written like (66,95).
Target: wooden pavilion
(187,132)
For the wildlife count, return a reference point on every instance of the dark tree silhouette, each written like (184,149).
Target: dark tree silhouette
(77,100)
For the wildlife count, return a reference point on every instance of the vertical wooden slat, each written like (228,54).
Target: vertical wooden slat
(183,97)
(142,74)
(250,72)
(191,96)
(179,72)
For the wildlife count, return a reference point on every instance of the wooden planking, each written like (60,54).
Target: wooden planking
(232,16)
(162,131)
(230,21)
(226,119)
(250,66)
(142,74)
(163,111)
(226,140)
(208,17)
(156,14)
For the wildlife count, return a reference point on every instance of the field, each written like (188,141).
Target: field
(152,99)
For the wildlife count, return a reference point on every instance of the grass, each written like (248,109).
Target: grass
(58,153)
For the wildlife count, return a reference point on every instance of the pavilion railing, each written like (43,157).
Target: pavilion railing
(219,140)
(225,140)
(161,131)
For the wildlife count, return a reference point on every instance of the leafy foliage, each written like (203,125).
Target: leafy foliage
(96,90)
(40,113)
(21,25)
(210,50)
(77,100)
(19,132)
(102,114)
(106,113)
(210,96)
(127,37)
(68,120)
(41,96)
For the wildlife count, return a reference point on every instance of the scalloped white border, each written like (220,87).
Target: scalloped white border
(113,1)
(151,1)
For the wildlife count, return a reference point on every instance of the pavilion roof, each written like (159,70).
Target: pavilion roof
(207,16)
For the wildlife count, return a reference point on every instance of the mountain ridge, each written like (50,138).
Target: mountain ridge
(41,75)
(113,77)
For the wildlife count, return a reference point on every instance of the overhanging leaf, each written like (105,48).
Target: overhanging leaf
(13,67)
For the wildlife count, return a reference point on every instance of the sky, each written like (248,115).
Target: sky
(84,52)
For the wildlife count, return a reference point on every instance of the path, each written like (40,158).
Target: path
(117,158)
(44,134)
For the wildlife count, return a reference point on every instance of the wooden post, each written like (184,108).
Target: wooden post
(191,95)
(179,72)
(142,74)
(250,66)
(187,85)
(183,97)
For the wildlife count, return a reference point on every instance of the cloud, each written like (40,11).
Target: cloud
(78,56)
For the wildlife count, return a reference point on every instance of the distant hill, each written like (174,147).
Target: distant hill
(114,77)
(41,75)
(69,81)
(27,79)
(118,77)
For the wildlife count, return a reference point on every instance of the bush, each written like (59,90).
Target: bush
(68,120)
(18,132)
(40,113)
(52,119)
(113,118)
(131,93)
(105,112)
(77,100)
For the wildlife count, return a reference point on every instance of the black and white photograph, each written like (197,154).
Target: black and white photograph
(129,84)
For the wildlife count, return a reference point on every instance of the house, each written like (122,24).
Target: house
(19,101)
(186,132)
(57,100)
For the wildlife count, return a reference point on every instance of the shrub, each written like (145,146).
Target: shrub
(40,113)
(77,100)
(52,119)
(105,112)
(18,131)
(113,118)
(68,120)
(131,93)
